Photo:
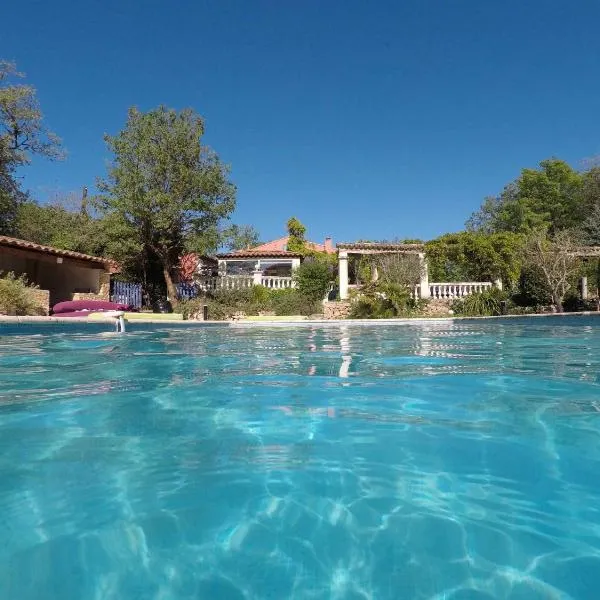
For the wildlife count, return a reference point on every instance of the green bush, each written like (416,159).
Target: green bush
(189,308)
(224,304)
(533,288)
(313,278)
(484,304)
(384,301)
(292,302)
(17,297)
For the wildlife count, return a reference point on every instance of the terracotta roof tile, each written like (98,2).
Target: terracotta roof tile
(27,245)
(280,245)
(277,245)
(253,253)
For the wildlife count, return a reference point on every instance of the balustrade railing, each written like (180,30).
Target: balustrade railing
(233,282)
(277,283)
(236,282)
(450,291)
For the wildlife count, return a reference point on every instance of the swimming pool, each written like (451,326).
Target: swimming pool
(448,460)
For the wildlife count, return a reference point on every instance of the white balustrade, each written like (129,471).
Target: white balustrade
(206,284)
(277,283)
(236,282)
(451,291)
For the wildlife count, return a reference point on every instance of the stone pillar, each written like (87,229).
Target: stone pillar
(498,284)
(584,288)
(104,285)
(343,274)
(424,283)
(295,263)
(257,277)
(374,274)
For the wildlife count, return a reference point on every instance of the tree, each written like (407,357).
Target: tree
(475,256)
(165,185)
(399,269)
(61,223)
(296,233)
(548,198)
(22,135)
(554,258)
(240,237)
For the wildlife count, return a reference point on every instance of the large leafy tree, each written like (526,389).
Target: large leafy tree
(548,198)
(474,256)
(61,223)
(240,237)
(590,227)
(165,185)
(22,135)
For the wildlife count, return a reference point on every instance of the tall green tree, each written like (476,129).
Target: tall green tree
(548,198)
(240,237)
(474,256)
(61,223)
(165,184)
(22,135)
(296,232)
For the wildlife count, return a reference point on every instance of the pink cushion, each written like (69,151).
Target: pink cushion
(88,305)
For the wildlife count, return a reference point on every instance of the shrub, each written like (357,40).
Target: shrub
(484,304)
(190,308)
(17,297)
(533,288)
(224,304)
(313,278)
(292,302)
(383,301)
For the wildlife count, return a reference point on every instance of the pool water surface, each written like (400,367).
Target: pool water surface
(442,460)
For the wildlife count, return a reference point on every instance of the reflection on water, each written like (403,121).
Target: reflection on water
(429,461)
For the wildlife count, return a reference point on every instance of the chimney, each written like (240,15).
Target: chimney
(328,245)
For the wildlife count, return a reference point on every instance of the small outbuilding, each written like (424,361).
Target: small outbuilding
(60,274)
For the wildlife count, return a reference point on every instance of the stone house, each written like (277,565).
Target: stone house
(60,274)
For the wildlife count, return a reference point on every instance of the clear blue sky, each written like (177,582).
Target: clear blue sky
(365,119)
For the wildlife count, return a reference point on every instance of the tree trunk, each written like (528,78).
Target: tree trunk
(171,289)
(558,304)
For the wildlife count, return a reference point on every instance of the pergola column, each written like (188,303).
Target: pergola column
(374,274)
(424,283)
(343,274)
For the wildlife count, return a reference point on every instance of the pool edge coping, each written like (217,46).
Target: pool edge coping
(12,320)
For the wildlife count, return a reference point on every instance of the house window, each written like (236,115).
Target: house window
(240,267)
(276,269)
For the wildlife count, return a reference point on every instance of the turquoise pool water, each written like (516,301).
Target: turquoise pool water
(428,461)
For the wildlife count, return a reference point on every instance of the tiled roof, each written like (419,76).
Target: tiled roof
(280,245)
(27,245)
(254,253)
(277,245)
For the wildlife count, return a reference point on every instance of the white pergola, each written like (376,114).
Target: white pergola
(364,248)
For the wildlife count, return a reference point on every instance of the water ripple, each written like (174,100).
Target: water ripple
(428,461)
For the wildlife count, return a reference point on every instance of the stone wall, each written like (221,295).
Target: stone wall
(87,296)
(437,308)
(104,286)
(336,310)
(42,299)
